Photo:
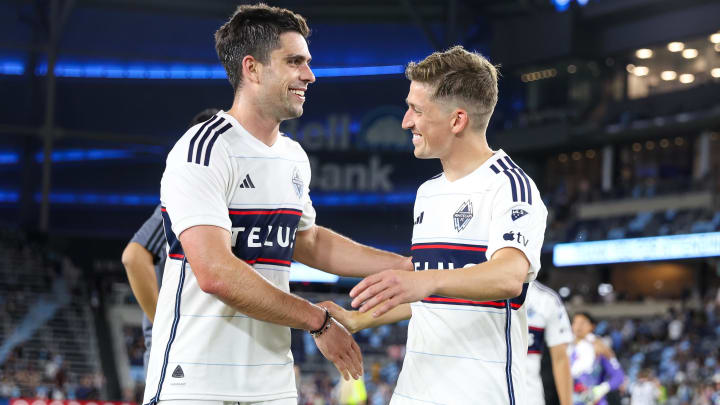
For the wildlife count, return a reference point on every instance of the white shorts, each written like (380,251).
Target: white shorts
(283,401)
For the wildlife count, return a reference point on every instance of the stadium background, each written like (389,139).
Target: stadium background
(612,106)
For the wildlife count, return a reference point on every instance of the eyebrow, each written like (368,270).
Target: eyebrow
(414,106)
(298,56)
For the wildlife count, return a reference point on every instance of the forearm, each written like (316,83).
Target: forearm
(497,279)
(561,373)
(138,263)
(329,251)
(144,285)
(615,375)
(244,289)
(365,320)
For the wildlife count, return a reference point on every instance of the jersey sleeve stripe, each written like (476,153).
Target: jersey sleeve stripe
(208,150)
(512,183)
(197,134)
(158,240)
(527,182)
(495,169)
(512,179)
(151,240)
(201,144)
(522,173)
(521,184)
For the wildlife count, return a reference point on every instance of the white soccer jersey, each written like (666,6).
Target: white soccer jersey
(218,174)
(461,351)
(549,325)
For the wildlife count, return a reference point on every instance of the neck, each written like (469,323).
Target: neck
(257,122)
(469,151)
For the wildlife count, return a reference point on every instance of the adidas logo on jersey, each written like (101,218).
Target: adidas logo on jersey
(419,219)
(247,183)
(178,373)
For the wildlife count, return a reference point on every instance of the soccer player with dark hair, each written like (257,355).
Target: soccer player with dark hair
(479,227)
(236,211)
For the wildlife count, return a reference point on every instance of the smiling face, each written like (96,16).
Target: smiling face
(285,78)
(429,123)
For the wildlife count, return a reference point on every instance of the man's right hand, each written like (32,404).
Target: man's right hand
(338,346)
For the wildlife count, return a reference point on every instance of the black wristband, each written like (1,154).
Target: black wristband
(324,326)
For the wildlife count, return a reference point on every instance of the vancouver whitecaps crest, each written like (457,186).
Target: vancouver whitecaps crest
(463,215)
(297,182)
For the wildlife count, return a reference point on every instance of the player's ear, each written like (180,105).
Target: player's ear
(251,69)
(459,121)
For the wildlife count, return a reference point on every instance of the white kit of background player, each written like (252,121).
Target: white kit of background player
(548,325)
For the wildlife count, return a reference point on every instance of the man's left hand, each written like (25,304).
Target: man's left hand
(393,286)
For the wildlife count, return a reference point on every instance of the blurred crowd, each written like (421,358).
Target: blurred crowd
(34,283)
(45,376)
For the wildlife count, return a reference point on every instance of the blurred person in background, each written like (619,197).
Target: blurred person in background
(593,365)
(646,390)
(549,325)
(144,259)
(478,230)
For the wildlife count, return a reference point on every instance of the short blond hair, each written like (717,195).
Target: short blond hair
(466,77)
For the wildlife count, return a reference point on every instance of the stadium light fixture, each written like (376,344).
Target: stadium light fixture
(690,53)
(671,247)
(668,75)
(644,53)
(687,78)
(630,67)
(675,46)
(715,38)
(715,73)
(169,71)
(641,71)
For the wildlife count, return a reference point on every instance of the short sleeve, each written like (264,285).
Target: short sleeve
(558,329)
(196,191)
(516,223)
(151,234)
(307,220)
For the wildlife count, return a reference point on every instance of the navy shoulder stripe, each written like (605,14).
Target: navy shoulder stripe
(197,134)
(212,142)
(204,140)
(519,182)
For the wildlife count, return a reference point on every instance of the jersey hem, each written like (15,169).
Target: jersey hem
(231,398)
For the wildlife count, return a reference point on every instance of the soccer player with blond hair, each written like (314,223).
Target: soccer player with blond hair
(478,230)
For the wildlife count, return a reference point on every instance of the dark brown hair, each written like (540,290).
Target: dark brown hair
(254,30)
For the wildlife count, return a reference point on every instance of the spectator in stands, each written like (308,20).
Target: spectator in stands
(646,390)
